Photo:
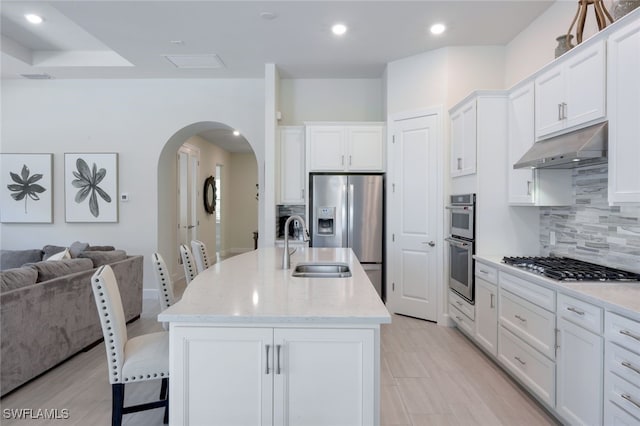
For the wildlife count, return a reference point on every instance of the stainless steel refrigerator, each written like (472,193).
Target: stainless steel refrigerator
(347,211)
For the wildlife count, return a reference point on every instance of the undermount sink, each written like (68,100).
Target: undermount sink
(322,270)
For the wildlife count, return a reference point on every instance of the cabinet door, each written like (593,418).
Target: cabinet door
(219,376)
(324,377)
(326,148)
(486,316)
(624,114)
(549,97)
(579,374)
(463,140)
(292,162)
(365,148)
(521,137)
(585,86)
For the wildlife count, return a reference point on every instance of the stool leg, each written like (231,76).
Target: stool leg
(117,404)
(163,388)
(165,397)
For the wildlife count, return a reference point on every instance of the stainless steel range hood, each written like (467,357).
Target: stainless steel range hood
(579,148)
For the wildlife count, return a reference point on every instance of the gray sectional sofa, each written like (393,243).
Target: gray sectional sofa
(47,310)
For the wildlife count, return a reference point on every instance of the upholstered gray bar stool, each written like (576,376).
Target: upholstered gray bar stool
(137,359)
(190,271)
(199,250)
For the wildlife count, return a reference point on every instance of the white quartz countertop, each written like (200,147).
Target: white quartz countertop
(621,297)
(253,288)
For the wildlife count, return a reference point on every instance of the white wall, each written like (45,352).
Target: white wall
(330,100)
(240,196)
(135,118)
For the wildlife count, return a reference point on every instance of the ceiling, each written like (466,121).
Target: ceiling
(132,39)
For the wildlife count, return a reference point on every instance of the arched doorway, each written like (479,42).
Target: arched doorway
(193,154)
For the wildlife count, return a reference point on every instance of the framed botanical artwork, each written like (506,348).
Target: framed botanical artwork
(91,187)
(26,192)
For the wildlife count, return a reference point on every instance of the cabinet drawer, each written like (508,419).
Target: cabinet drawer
(614,415)
(534,370)
(623,394)
(541,296)
(463,322)
(622,362)
(623,330)
(531,323)
(581,313)
(463,306)
(486,272)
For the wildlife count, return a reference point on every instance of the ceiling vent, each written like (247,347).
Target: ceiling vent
(37,76)
(195,61)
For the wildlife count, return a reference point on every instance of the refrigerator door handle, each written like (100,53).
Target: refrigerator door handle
(350,230)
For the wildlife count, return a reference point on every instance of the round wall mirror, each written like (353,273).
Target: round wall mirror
(209,193)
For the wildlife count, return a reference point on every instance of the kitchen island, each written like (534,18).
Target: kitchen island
(251,344)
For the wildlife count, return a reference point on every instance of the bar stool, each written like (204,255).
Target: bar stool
(190,271)
(200,254)
(165,285)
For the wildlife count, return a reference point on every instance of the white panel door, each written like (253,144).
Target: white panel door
(549,97)
(292,160)
(233,387)
(414,207)
(324,377)
(521,138)
(585,86)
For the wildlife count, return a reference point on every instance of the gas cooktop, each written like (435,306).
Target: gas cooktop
(566,269)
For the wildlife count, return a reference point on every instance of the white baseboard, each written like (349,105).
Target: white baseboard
(150,293)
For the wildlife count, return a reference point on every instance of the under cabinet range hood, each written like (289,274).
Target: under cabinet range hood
(583,147)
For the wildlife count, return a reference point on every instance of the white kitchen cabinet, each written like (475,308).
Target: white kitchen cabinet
(487,315)
(345,148)
(292,165)
(579,384)
(272,376)
(571,93)
(463,139)
(623,97)
(531,187)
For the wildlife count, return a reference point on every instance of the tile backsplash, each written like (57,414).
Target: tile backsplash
(590,229)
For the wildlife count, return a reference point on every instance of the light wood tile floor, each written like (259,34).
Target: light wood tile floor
(430,375)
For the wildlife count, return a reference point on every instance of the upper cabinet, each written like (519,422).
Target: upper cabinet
(572,92)
(623,97)
(292,165)
(531,187)
(463,139)
(345,147)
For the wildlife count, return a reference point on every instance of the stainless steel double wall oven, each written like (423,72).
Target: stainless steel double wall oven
(462,214)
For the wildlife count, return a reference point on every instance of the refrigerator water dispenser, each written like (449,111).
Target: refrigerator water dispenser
(326,220)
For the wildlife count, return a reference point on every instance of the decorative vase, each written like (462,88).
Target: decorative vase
(564,44)
(622,7)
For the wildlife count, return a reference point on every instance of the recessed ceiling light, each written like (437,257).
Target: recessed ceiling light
(236,133)
(437,29)
(339,29)
(33,18)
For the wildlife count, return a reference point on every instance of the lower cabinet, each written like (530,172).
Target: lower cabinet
(273,376)
(463,313)
(487,315)
(579,381)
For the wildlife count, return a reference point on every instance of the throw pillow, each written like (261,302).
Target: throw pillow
(77,247)
(64,254)
(15,278)
(50,250)
(101,248)
(16,258)
(50,270)
(100,258)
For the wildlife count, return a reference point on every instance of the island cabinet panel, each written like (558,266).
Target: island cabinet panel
(272,376)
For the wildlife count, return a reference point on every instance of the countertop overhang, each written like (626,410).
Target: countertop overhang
(252,288)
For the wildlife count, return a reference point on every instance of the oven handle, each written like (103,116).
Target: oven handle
(457,243)
(466,208)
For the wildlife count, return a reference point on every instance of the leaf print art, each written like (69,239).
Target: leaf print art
(87,180)
(25,186)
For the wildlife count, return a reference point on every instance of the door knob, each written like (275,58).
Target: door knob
(430,243)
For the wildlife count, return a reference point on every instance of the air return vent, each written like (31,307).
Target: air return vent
(195,61)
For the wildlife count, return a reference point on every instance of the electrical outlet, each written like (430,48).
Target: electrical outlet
(552,238)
